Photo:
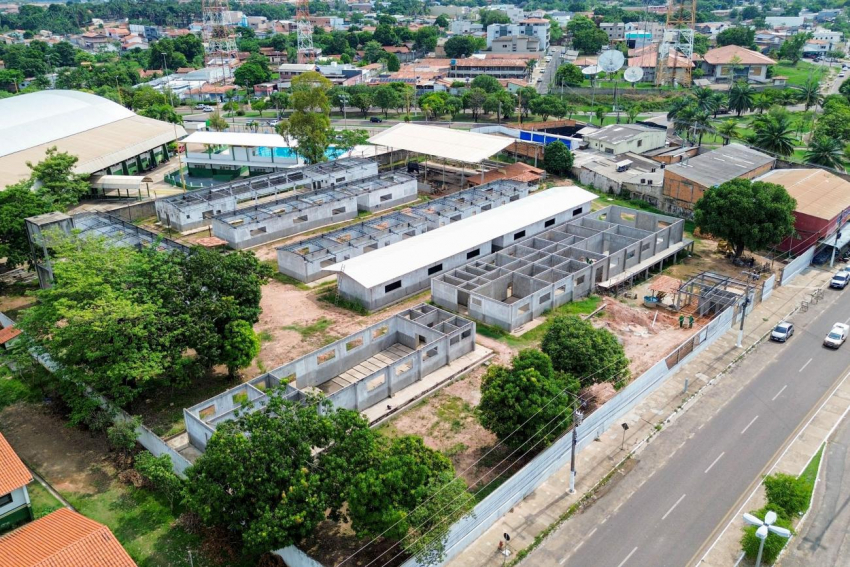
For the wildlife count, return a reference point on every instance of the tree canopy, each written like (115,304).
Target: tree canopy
(748,214)
(557,158)
(310,122)
(579,349)
(586,35)
(738,35)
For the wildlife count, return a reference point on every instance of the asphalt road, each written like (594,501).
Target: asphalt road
(669,508)
(825,539)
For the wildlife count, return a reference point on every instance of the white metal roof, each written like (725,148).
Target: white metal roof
(241,139)
(42,117)
(395,260)
(443,142)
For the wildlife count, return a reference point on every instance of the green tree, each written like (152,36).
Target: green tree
(473,100)
(738,35)
(579,349)
(447,501)
(345,140)
(159,473)
(217,122)
(500,102)
(486,83)
(586,36)
(772,545)
(633,111)
(253,71)
(547,105)
(373,51)
(56,182)
(741,97)
(386,97)
(362,97)
(259,105)
(727,130)
(425,38)
(702,43)
(488,17)
(810,94)
(600,113)
(164,112)
(827,152)
(792,48)
(240,346)
(17,203)
(761,103)
(774,132)
(460,46)
(526,405)
(733,211)
(788,493)
(385,35)
(557,159)
(122,435)
(310,122)
(569,75)
(442,21)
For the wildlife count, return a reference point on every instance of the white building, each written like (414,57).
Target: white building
(515,13)
(793,22)
(655,29)
(621,138)
(465,27)
(614,31)
(536,27)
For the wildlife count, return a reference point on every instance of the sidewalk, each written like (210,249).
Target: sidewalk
(531,517)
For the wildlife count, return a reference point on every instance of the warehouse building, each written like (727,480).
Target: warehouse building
(390,274)
(195,209)
(515,285)
(306,260)
(354,373)
(276,219)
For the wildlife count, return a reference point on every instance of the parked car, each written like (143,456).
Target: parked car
(273,123)
(841,75)
(782,332)
(208,109)
(376,119)
(200,106)
(836,337)
(840,280)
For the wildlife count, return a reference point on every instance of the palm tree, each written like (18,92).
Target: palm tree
(826,152)
(741,97)
(718,101)
(810,94)
(728,130)
(704,99)
(632,112)
(761,103)
(775,133)
(679,105)
(701,123)
(683,120)
(786,97)
(600,114)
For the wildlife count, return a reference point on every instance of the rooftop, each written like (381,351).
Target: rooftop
(460,145)
(241,139)
(739,55)
(818,193)
(720,165)
(616,133)
(403,257)
(62,538)
(13,473)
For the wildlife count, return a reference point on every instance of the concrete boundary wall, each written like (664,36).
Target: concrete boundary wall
(768,286)
(800,263)
(545,464)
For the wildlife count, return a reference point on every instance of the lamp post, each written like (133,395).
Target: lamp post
(344,98)
(578,416)
(751,276)
(765,527)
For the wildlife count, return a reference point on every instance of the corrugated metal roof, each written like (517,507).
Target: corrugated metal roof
(392,262)
(818,193)
(446,143)
(720,165)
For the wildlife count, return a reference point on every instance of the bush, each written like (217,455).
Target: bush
(159,472)
(772,545)
(787,495)
(13,391)
(122,436)
(578,348)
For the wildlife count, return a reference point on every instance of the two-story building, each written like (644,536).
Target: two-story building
(15,507)
(618,139)
(614,31)
(537,27)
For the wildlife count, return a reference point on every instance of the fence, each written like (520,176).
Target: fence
(544,465)
(800,263)
(767,287)
(136,211)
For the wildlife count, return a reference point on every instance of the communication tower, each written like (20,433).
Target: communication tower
(678,41)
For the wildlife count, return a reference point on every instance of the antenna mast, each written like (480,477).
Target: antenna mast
(219,39)
(678,41)
(306,52)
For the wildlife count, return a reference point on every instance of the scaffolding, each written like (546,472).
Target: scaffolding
(712,293)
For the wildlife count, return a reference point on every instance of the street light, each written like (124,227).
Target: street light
(578,416)
(751,276)
(763,528)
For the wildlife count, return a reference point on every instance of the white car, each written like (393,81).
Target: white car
(836,337)
(782,332)
(200,106)
(840,280)
(208,109)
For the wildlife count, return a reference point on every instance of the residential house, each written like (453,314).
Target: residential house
(62,538)
(768,41)
(516,44)
(732,63)
(626,174)
(614,31)
(618,139)
(530,27)
(655,29)
(647,59)
(15,507)
(687,181)
(403,52)
(465,27)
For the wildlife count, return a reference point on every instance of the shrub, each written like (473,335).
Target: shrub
(578,348)
(159,473)
(787,495)
(122,436)
(772,545)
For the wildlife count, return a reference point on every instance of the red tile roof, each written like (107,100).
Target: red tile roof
(62,539)
(13,473)
(7,335)
(517,171)
(741,55)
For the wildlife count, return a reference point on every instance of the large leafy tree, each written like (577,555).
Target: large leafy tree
(310,122)
(586,35)
(557,159)
(792,48)
(547,105)
(577,348)
(17,203)
(748,214)
(569,75)
(55,179)
(488,83)
(526,405)
(459,46)
(738,35)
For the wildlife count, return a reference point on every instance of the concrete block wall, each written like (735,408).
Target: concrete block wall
(563,263)
(306,260)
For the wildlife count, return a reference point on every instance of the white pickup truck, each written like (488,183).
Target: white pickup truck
(836,336)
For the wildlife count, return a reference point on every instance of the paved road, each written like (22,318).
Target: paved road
(825,539)
(668,509)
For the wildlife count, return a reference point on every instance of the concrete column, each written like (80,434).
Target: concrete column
(139,167)
(152,155)
(124,168)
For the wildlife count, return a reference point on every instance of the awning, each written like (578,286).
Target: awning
(843,238)
(459,145)
(240,139)
(119,181)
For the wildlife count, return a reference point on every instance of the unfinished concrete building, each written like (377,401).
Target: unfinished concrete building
(188,211)
(279,218)
(93,224)
(392,273)
(307,259)
(518,283)
(355,372)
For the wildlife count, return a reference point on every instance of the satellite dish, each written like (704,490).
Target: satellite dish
(611,61)
(590,70)
(633,74)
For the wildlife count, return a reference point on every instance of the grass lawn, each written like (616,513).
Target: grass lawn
(141,521)
(810,473)
(798,74)
(42,501)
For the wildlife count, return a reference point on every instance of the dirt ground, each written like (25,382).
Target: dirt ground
(72,460)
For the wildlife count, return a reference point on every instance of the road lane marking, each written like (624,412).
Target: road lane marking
(804,366)
(749,424)
(779,392)
(715,462)
(593,531)
(682,497)
(623,562)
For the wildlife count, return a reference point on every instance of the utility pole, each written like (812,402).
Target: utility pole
(344,98)
(837,234)
(578,416)
(751,276)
